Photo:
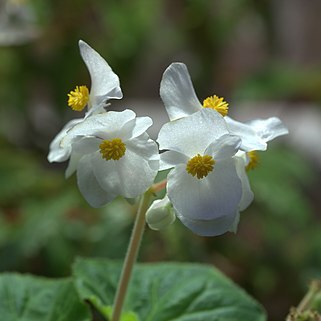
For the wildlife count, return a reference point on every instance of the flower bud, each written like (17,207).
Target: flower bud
(160,214)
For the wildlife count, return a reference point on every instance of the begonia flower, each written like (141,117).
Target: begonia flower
(113,156)
(104,86)
(203,184)
(180,100)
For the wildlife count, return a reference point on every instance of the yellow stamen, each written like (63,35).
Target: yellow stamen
(78,98)
(217,104)
(253,160)
(200,166)
(112,149)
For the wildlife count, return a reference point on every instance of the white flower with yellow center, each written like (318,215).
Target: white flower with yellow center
(113,156)
(104,86)
(203,186)
(180,100)
(104,83)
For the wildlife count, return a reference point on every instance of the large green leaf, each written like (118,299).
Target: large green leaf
(29,298)
(167,291)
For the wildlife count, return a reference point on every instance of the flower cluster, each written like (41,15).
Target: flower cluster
(206,152)
(111,151)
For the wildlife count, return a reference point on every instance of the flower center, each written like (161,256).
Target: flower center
(112,149)
(217,104)
(253,160)
(78,98)
(200,166)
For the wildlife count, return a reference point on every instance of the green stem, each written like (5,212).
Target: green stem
(131,255)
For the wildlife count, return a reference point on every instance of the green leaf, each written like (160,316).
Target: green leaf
(29,298)
(167,291)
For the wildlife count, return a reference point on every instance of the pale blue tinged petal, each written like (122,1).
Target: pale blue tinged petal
(89,186)
(177,92)
(60,147)
(192,135)
(218,194)
(250,139)
(247,194)
(224,147)
(234,225)
(268,129)
(104,82)
(171,159)
(214,227)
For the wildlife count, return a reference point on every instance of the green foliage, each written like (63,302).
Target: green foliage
(28,298)
(162,292)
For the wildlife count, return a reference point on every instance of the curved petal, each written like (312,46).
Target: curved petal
(104,82)
(85,145)
(131,175)
(214,227)
(108,124)
(177,92)
(247,194)
(192,135)
(171,159)
(88,185)
(136,127)
(218,194)
(250,139)
(73,164)
(60,147)
(268,129)
(224,147)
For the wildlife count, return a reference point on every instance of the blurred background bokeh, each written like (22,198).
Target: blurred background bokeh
(263,56)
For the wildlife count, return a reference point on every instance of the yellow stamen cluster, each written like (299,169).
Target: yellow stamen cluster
(112,149)
(200,166)
(253,160)
(217,104)
(78,98)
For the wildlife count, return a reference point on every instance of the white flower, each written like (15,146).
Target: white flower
(113,156)
(180,100)
(104,83)
(203,186)
(104,86)
(160,214)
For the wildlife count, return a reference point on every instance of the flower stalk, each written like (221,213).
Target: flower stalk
(131,255)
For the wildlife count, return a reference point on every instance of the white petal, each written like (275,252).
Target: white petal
(104,82)
(80,147)
(109,123)
(60,151)
(268,129)
(131,175)
(216,195)
(88,185)
(224,147)
(247,194)
(171,159)
(250,139)
(177,92)
(136,127)
(217,226)
(193,134)
(73,164)
(85,145)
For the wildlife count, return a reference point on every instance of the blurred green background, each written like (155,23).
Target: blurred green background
(262,56)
